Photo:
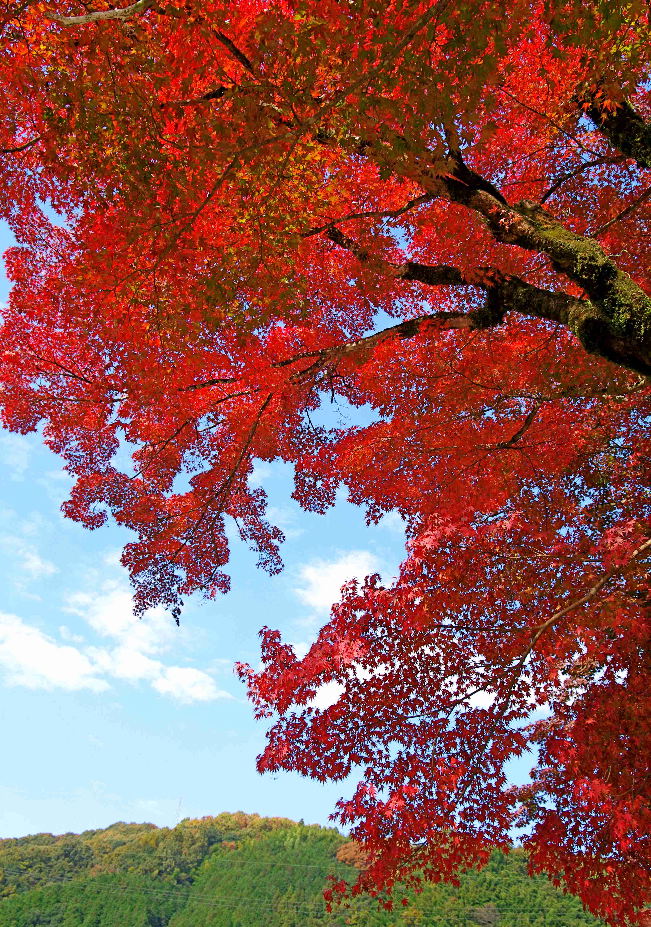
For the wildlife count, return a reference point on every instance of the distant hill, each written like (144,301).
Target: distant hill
(238,870)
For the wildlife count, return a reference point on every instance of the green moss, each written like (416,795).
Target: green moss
(629,308)
(618,303)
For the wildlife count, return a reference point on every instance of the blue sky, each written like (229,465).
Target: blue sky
(108,718)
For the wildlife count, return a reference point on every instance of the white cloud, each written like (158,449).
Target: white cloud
(261,473)
(33,659)
(393,521)
(112,558)
(18,542)
(138,644)
(222,665)
(188,685)
(124,662)
(287,519)
(132,654)
(67,635)
(481,699)
(326,695)
(57,485)
(109,612)
(320,581)
(300,648)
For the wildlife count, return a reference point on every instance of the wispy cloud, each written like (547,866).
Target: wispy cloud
(261,473)
(109,612)
(287,519)
(15,452)
(29,561)
(19,539)
(394,522)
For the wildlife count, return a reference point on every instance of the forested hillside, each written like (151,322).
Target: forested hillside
(238,870)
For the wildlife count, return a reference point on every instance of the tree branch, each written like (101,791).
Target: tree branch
(622,125)
(548,119)
(23,147)
(515,672)
(507,293)
(575,173)
(614,322)
(235,51)
(584,599)
(215,94)
(376,214)
(127,12)
(434,275)
(638,201)
(524,427)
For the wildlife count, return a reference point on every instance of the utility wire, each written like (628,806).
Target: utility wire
(314,909)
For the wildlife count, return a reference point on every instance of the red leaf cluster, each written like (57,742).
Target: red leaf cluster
(437,212)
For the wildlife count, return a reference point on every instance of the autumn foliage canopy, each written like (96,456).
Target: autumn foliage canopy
(439,212)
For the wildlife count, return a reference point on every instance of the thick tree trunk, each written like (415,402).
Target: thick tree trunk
(624,128)
(615,320)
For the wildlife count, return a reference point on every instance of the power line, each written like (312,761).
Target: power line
(314,909)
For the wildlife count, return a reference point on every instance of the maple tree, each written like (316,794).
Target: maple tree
(438,211)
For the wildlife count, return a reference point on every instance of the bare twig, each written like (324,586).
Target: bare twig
(377,214)
(579,170)
(642,198)
(23,147)
(547,119)
(515,672)
(582,600)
